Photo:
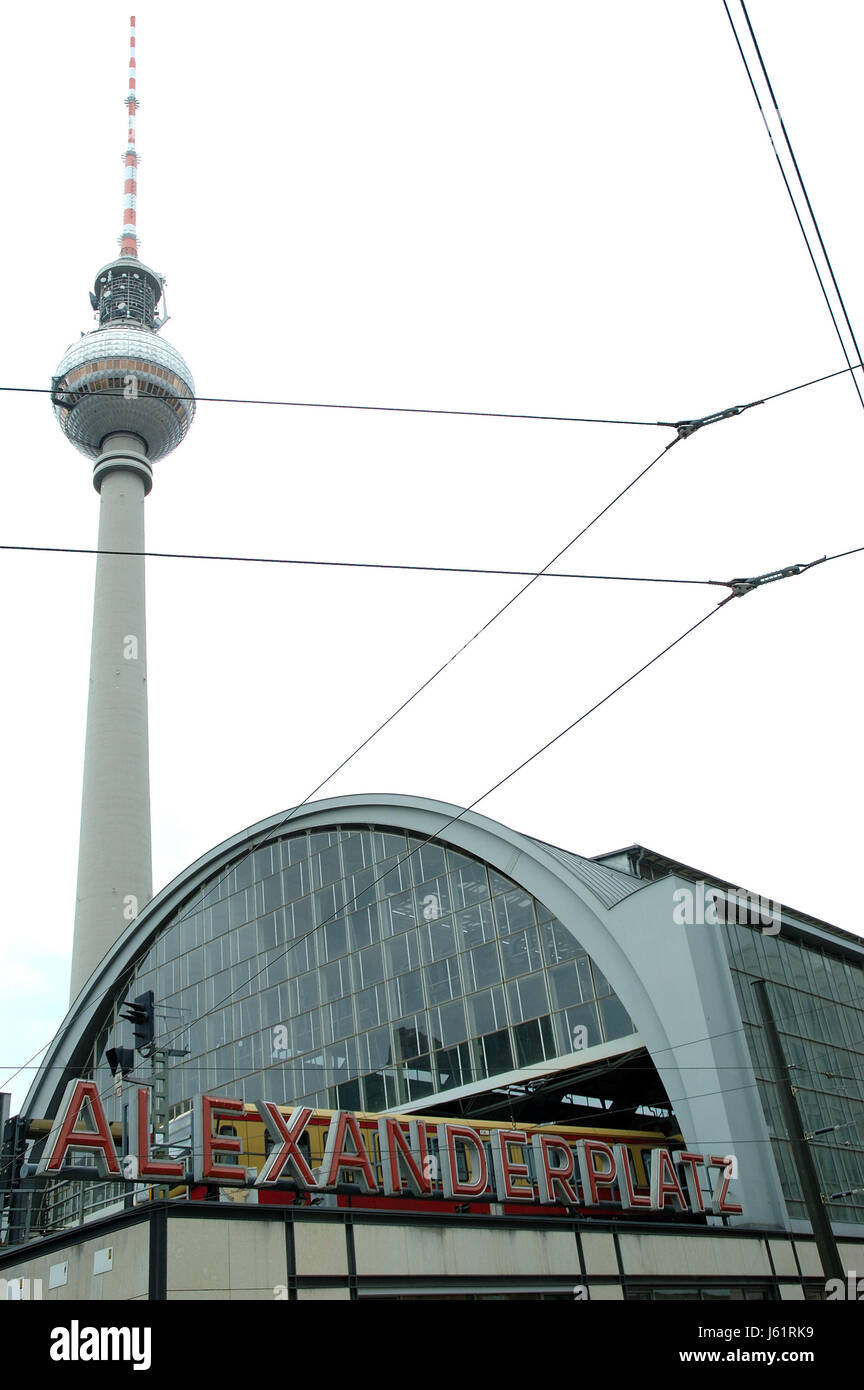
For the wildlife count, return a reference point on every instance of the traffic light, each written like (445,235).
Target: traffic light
(13,1145)
(141,1014)
(120,1059)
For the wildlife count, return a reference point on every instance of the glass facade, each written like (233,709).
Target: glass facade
(362,968)
(817,997)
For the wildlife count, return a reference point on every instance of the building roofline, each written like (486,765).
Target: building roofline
(639,855)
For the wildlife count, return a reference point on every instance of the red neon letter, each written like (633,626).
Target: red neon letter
(65,1137)
(594,1178)
(410,1152)
(630,1198)
(336,1158)
(688,1163)
(208,1167)
(506,1169)
(453,1184)
(150,1167)
(721,1187)
(287,1134)
(664,1182)
(553,1180)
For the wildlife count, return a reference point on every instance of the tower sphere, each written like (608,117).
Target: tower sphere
(123,381)
(123,378)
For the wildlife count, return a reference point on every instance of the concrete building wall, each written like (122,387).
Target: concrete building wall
(212,1253)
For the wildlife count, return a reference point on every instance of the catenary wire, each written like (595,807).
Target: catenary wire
(800,178)
(429,410)
(792,199)
(344,564)
(377,565)
(829,376)
(387,409)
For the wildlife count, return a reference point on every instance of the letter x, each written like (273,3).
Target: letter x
(287,1133)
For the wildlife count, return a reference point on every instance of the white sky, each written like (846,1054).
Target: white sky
(562,208)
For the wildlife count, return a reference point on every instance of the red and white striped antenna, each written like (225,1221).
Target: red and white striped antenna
(129,239)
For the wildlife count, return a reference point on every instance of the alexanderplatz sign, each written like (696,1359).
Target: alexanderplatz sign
(560,1167)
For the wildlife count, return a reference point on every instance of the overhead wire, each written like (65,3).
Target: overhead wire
(792,199)
(434,410)
(386,409)
(800,178)
(386,565)
(345,564)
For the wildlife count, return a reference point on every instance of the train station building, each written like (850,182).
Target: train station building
(389,955)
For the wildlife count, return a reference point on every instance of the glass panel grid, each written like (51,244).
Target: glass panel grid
(367,961)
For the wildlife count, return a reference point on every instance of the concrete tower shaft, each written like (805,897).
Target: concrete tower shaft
(115,878)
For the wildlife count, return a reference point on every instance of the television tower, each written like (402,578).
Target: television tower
(125,398)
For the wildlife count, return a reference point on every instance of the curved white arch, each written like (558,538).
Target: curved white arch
(673,980)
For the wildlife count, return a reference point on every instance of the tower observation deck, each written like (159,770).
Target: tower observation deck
(125,398)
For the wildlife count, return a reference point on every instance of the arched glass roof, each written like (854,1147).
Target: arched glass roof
(365,968)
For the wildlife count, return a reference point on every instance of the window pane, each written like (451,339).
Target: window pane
(469,885)
(558,943)
(475,925)
(483,967)
(437,939)
(371,965)
(486,1011)
(513,911)
(571,1024)
(616,1020)
(406,994)
(520,953)
(497,1052)
(442,981)
(527,997)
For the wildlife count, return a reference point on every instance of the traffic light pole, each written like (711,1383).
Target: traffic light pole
(159,1102)
(141,1013)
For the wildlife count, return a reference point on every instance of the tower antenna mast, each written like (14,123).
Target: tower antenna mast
(129,239)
